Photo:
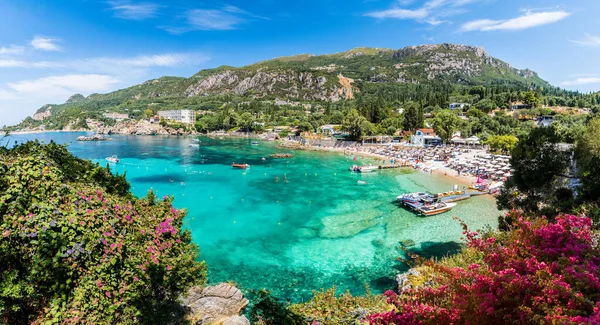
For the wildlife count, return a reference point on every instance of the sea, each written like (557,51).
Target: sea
(287,225)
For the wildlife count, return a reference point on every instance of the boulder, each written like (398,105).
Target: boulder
(218,304)
(237,320)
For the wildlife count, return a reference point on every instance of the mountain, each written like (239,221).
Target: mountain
(310,78)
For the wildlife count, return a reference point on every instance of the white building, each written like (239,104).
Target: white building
(457,105)
(425,137)
(186,116)
(116,116)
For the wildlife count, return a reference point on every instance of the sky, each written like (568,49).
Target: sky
(52,49)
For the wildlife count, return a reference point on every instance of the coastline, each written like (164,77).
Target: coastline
(440,168)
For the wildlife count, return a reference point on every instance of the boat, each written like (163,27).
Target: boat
(113,159)
(426,204)
(240,166)
(364,169)
(194,145)
(361,182)
(435,208)
(255,143)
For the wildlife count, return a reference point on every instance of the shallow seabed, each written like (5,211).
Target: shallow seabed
(318,229)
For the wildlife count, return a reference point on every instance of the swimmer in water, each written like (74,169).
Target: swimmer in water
(276,178)
(182,183)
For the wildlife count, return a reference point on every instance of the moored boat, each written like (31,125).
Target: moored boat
(113,159)
(194,145)
(364,169)
(435,208)
(255,143)
(240,166)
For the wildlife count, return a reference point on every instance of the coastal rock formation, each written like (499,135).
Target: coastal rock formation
(43,113)
(218,304)
(259,83)
(142,127)
(95,137)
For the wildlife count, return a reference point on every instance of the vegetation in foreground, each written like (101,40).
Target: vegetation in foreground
(537,273)
(77,248)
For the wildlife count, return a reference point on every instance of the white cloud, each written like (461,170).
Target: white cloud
(428,12)
(589,40)
(4,63)
(65,84)
(139,11)
(227,18)
(45,44)
(144,61)
(12,50)
(529,20)
(582,81)
(399,14)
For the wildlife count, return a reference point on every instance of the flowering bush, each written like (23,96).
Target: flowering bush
(538,273)
(71,252)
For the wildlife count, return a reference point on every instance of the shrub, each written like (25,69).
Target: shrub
(72,252)
(538,273)
(325,308)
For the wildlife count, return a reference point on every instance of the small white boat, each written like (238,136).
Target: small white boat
(113,159)
(364,169)
(361,182)
(436,208)
(194,145)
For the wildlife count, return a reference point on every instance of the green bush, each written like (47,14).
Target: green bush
(73,249)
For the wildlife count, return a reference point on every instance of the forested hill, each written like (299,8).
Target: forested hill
(432,75)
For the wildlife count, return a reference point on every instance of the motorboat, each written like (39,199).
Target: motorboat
(425,203)
(361,182)
(240,166)
(435,208)
(364,169)
(113,159)
(195,145)
(255,143)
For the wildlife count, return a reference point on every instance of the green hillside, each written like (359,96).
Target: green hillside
(431,75)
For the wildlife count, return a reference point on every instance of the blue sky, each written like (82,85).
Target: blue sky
(51,49)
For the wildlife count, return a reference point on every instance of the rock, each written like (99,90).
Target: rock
(237,320)
(216,304)
(407,243)
(95,137)
(403,280)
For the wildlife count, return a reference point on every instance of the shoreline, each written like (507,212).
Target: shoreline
(440,168)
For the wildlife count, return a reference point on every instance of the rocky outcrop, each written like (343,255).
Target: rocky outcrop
(218,304)
(95,137)
(75,99)
(142,127)
(43,113)
(260,83)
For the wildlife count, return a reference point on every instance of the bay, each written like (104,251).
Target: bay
(287,225)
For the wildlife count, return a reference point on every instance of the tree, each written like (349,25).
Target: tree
(445,124)
(77,247)
(353,123)
(529,98)
(538,166)
(413,118)
(587,153)
(502,143)
(246,121)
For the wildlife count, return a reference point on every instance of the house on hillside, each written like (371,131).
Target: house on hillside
(330,129)
(186,116)
(425,137)
(454,106)
(116,116)
(544,121)
(519,105)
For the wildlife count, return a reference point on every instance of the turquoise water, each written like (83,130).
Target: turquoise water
(317,230)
